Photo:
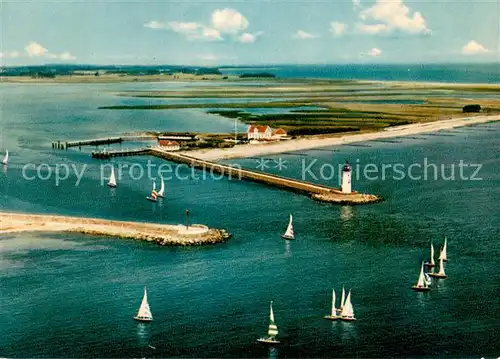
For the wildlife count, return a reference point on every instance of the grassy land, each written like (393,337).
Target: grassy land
(335,106)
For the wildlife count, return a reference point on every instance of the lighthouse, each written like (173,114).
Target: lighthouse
(346,178)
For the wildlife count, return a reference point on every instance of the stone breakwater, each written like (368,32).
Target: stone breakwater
(352,198)
(161,234)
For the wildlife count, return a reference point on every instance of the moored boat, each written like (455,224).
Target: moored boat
(272,331)
(153,196)
(112,178)
(6,158)
(144,313)
(289,234)
(161,192)
(347,313)
(441,274)
(422,283)
(333,315)
(442,254)
(431,262)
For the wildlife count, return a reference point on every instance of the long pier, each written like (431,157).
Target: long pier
(316,191)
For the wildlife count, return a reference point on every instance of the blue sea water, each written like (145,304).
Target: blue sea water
(461,73)
(67,295)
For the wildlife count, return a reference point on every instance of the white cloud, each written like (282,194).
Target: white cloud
(229,21)
(396,16)
(374,52)
(153,24)
(248,38)
(372,29)
(337,28)
(474,48)
(300,34)
(35,49)
(9,55)
(356,4)
(194,31)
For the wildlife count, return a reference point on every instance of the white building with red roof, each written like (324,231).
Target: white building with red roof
(169,145)
(259,132)
(278,133)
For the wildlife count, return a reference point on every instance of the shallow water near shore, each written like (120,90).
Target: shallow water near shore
(68,295)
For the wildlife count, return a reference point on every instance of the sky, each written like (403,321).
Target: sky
(245,32)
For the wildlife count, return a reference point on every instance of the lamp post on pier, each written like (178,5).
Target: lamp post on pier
(187,218)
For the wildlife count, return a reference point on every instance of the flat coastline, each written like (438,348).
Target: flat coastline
(161,234)
(274,148)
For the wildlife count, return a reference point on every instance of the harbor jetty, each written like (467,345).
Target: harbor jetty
(106,155)
(317,191)
(161,234)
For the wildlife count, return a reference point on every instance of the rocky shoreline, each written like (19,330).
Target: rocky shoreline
(352,199)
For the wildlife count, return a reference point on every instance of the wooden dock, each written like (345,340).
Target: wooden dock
(106,155)
(94,142)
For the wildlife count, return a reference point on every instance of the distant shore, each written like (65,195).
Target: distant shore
(162,234)
(243,151)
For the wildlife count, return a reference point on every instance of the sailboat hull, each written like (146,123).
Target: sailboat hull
(112,185)
(330,317)
(429,265)
(420,289)
(151,199)
(288,238)
(143,319)
(268,341)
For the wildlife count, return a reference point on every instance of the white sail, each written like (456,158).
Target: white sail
(347,311)
(342,299)
(273,329)
(289,230)
(442,255)
(441,267)
(161,192)
(154,186)
(334,311)
(6,157)
(432,255)
(421,279)
(144,312)
(112,178)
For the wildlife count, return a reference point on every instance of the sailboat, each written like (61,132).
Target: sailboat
(422,283)
(333,315)
(443,251)
(289,231)
(144,313)
(431,263)
(441,273)
(112,178)
(6,157)
(153,195)
(272,332)
(161,192)
(347,313)
(342,300)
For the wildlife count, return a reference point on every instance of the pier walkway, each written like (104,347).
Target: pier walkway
(239,173)
(105,155)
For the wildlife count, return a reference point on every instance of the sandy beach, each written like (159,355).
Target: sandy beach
(243,151)
(161,234)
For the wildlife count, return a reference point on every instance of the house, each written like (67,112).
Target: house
(259,132)
(278,133)
(169,145)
